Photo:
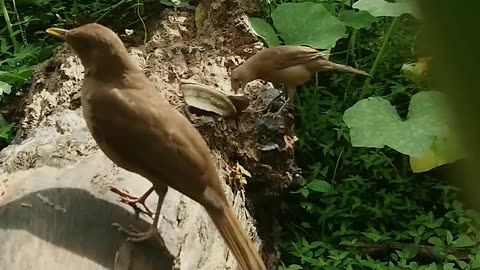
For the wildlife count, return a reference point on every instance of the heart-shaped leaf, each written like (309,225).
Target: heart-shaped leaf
(442,151)
(307,24)
(379,8)
(428,113)
(357,20)
(374,122)
(265,31)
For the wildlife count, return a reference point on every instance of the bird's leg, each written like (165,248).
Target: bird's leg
(289,101)
(266,108)
(132,201)
(136,235)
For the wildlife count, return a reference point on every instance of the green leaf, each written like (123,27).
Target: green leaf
(307,24)
(357,20)
(5,132)
(304,192)
(319,186)
(5,88)
(374,122)
(475,262)
(463,265)
(5,129)
(294,267)
(428,110)
(380,8)
(4,46)
(449,237)
(436,241)
(370,121)
(463,241)
(265,31)
(17,76)
(448,266)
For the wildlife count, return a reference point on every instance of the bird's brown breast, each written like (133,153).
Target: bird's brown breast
(141,132)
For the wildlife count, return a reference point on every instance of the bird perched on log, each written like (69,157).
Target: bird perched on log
(287,65)
(143,133)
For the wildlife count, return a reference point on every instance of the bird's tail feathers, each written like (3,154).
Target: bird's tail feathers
(237,239)
(350,69)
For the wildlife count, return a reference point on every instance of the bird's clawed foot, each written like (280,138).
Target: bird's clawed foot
(133,201)
(282,108)
(269,105)
(265,110)
(135,235)
(274,115)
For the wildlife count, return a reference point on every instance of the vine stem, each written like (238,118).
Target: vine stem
(351,45)
(108,10)
(342,7)
(9,25)
(405,164)
(380,55)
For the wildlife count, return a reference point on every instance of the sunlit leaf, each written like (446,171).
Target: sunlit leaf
(357,20)
(374,122)
(380,8)
(442,151)
(5,88)
(307,24)
(265,31)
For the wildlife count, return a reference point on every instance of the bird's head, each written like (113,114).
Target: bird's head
(98,47)
(240,77)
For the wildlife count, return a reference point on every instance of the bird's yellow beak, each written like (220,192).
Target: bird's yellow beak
(58,33)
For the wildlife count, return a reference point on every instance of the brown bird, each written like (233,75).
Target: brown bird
(143,133)
(287,65)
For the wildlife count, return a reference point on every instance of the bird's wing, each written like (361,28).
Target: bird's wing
(287,56)
(150,137)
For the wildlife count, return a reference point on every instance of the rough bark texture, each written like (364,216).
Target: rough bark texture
(56,209)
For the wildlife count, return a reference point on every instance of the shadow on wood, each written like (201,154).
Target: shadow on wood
(69,228)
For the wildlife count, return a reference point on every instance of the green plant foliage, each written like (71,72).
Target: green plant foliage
(265,31)
(374,122)
(358,200)
(442,151)
(5,88)
(357,20)
(380,8)
(5,129)
(294,22)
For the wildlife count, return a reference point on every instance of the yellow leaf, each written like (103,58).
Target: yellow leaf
(441,152)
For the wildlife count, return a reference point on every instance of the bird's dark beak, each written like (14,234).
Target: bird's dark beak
(237,87)
(58,33)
